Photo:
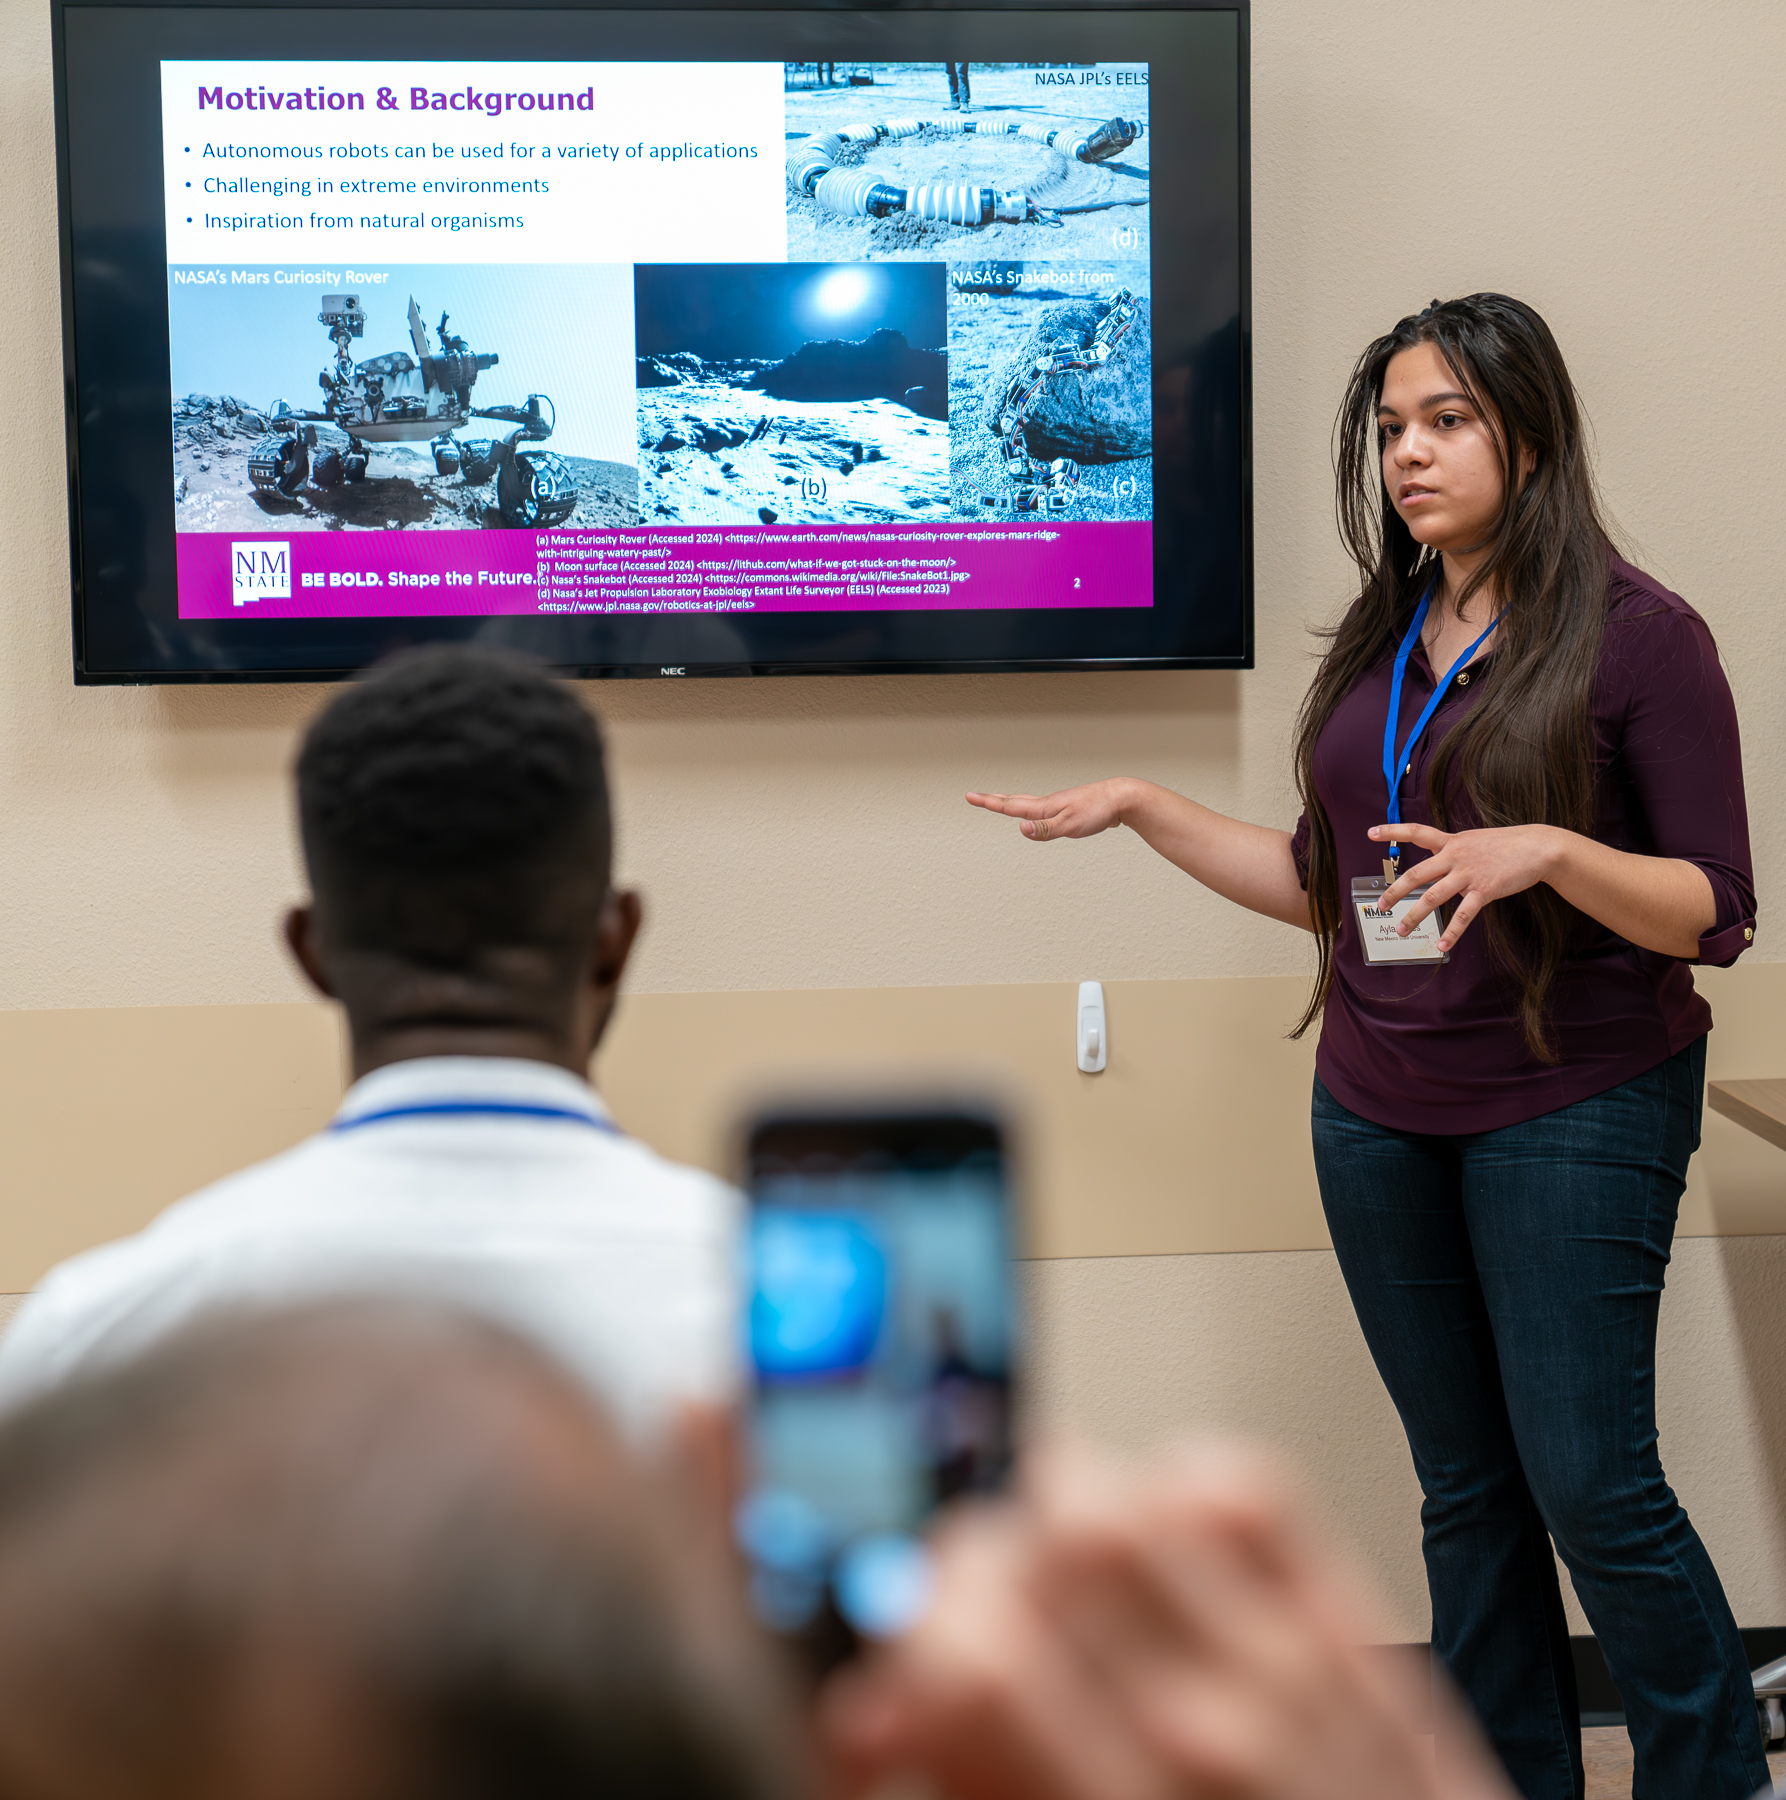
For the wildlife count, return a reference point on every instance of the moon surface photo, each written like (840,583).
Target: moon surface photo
(788,393)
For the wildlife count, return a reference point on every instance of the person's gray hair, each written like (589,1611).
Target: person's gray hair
(377,1551)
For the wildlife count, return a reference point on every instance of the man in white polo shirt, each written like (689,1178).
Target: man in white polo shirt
(456,827)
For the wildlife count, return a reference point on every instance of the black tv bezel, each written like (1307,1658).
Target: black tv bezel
(88,676)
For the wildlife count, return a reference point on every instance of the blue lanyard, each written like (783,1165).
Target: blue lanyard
(500,1109)
(1393,765)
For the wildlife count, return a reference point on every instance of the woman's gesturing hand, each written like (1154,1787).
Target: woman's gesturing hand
(1250,864)
(1470,867)
(1072,813)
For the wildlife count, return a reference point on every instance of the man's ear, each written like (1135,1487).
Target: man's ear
(623,912)
(301,939)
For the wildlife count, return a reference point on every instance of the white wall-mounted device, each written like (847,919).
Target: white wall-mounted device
(1094,1034)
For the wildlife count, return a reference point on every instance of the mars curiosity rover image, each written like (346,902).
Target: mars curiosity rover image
(399,440)
(789,393)
(956,162)
(1051,391)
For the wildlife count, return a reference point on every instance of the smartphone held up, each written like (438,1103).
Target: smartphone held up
(882,1342)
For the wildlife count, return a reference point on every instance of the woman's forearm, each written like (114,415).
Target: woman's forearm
(1248,864)
(1657,902)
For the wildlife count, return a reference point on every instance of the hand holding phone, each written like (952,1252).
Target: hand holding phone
(882,1333)
(1123,1632)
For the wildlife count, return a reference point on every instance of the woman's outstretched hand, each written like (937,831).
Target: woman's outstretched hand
(1072,813)
(1250,864)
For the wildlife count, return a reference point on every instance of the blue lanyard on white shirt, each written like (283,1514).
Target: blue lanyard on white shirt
(1393,765)
(501,1109)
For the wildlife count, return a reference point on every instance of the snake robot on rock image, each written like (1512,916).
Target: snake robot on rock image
(399,398)
(1039,484)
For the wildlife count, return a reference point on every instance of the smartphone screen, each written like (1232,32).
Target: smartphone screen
(882,1335)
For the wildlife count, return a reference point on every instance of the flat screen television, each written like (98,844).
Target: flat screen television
(657,341)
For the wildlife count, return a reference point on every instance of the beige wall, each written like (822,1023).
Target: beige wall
(1616,162)
(1178,1273)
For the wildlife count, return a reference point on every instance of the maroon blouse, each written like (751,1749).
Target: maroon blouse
(1438,1048)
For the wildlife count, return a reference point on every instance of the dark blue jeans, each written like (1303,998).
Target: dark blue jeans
(1508,1283)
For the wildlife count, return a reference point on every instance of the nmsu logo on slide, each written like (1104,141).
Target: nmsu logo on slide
(259,572)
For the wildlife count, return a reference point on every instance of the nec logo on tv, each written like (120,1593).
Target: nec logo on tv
(259,572)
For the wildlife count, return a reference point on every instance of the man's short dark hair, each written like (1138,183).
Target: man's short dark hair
(369,1551)
(453,801)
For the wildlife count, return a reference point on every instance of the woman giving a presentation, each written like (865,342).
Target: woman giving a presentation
(1523,821)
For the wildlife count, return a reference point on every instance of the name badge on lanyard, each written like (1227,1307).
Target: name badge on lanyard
(1376,923)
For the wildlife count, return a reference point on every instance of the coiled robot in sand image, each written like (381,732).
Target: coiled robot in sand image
(896,164)
(861,193)
(399,398)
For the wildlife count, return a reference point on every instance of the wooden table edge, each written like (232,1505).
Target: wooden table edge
(1757,1106)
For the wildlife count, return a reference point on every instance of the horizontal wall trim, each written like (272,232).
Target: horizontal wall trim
(1193,1140)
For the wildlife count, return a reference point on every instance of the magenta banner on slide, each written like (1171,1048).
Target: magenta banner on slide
(816,568)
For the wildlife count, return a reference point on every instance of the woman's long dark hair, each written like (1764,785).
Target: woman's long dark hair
(1524,753)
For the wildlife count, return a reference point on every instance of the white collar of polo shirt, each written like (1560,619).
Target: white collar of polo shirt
(493,1087)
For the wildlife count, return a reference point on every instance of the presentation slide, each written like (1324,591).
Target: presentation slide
(657,338)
